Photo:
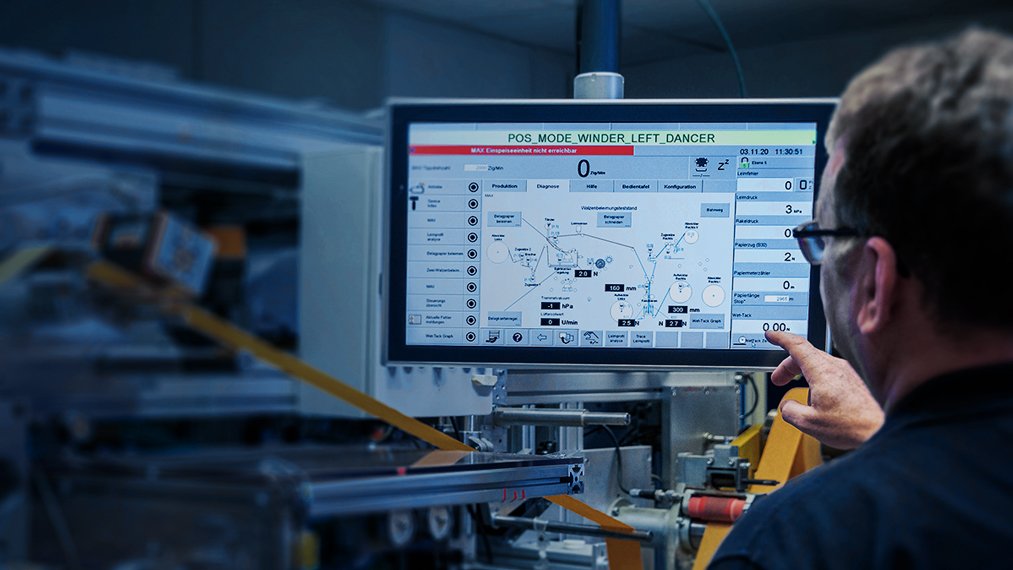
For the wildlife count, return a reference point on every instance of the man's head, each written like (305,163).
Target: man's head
(928,138)
(922,167)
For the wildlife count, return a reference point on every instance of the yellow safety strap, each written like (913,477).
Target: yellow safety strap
(748,443)
(112,275)
(713,535)
(238,339)
(441,458)
(787,453)
(623,554)
(21,260)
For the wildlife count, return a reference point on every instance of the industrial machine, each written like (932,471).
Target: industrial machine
(596,257)
(566,298)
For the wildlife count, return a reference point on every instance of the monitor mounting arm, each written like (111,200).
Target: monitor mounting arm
(598,34)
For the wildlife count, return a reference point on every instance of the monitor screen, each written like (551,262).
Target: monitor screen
(623,233)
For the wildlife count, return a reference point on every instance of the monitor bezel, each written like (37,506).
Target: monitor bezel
(402,113)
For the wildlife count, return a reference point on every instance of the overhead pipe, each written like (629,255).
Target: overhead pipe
(598,39)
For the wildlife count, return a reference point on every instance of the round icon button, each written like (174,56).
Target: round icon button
(473,203)
(518,337)
(472,303)
(472,253)
(472,270)
(471,319)
(472,237)
(473,221)
(473,187)
(472,287)
(470,336)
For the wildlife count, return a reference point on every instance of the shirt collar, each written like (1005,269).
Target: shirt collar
(969,391)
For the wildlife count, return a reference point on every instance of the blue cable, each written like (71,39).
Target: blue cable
(706,6)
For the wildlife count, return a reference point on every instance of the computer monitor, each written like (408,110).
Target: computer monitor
(636,233)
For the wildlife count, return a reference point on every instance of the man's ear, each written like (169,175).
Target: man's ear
(877,285)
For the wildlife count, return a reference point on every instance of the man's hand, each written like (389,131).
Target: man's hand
(841,411)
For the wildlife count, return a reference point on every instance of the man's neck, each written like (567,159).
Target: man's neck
(924,357)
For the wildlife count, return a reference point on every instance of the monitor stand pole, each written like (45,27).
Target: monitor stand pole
(598,34)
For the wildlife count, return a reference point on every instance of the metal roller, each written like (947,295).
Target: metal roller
(565,418)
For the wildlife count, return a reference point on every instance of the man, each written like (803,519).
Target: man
(913,235)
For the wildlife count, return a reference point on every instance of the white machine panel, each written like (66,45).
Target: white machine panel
(340,304)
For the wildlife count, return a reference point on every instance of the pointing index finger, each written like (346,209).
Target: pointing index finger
(785,372)
(801,353)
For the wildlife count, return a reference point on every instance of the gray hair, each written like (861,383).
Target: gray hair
(928,139)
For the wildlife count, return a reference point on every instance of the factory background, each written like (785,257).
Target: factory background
(354,54)
(141,432)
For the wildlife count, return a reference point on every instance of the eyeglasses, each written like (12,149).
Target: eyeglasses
(810,239)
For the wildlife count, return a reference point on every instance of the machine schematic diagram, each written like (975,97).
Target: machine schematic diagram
(601,263)
(609,238)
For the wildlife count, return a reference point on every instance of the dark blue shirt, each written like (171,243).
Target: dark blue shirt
(932,489)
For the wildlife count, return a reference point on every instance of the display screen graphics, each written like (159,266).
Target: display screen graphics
(573,238)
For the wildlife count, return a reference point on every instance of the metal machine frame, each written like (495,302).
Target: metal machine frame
(167,135)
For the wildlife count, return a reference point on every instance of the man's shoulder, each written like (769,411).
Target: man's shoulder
(891,503)
(803,521)
(834,485)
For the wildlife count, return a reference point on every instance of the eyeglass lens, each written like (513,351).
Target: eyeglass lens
(812,248)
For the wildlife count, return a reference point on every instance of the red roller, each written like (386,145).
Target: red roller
(715,509)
